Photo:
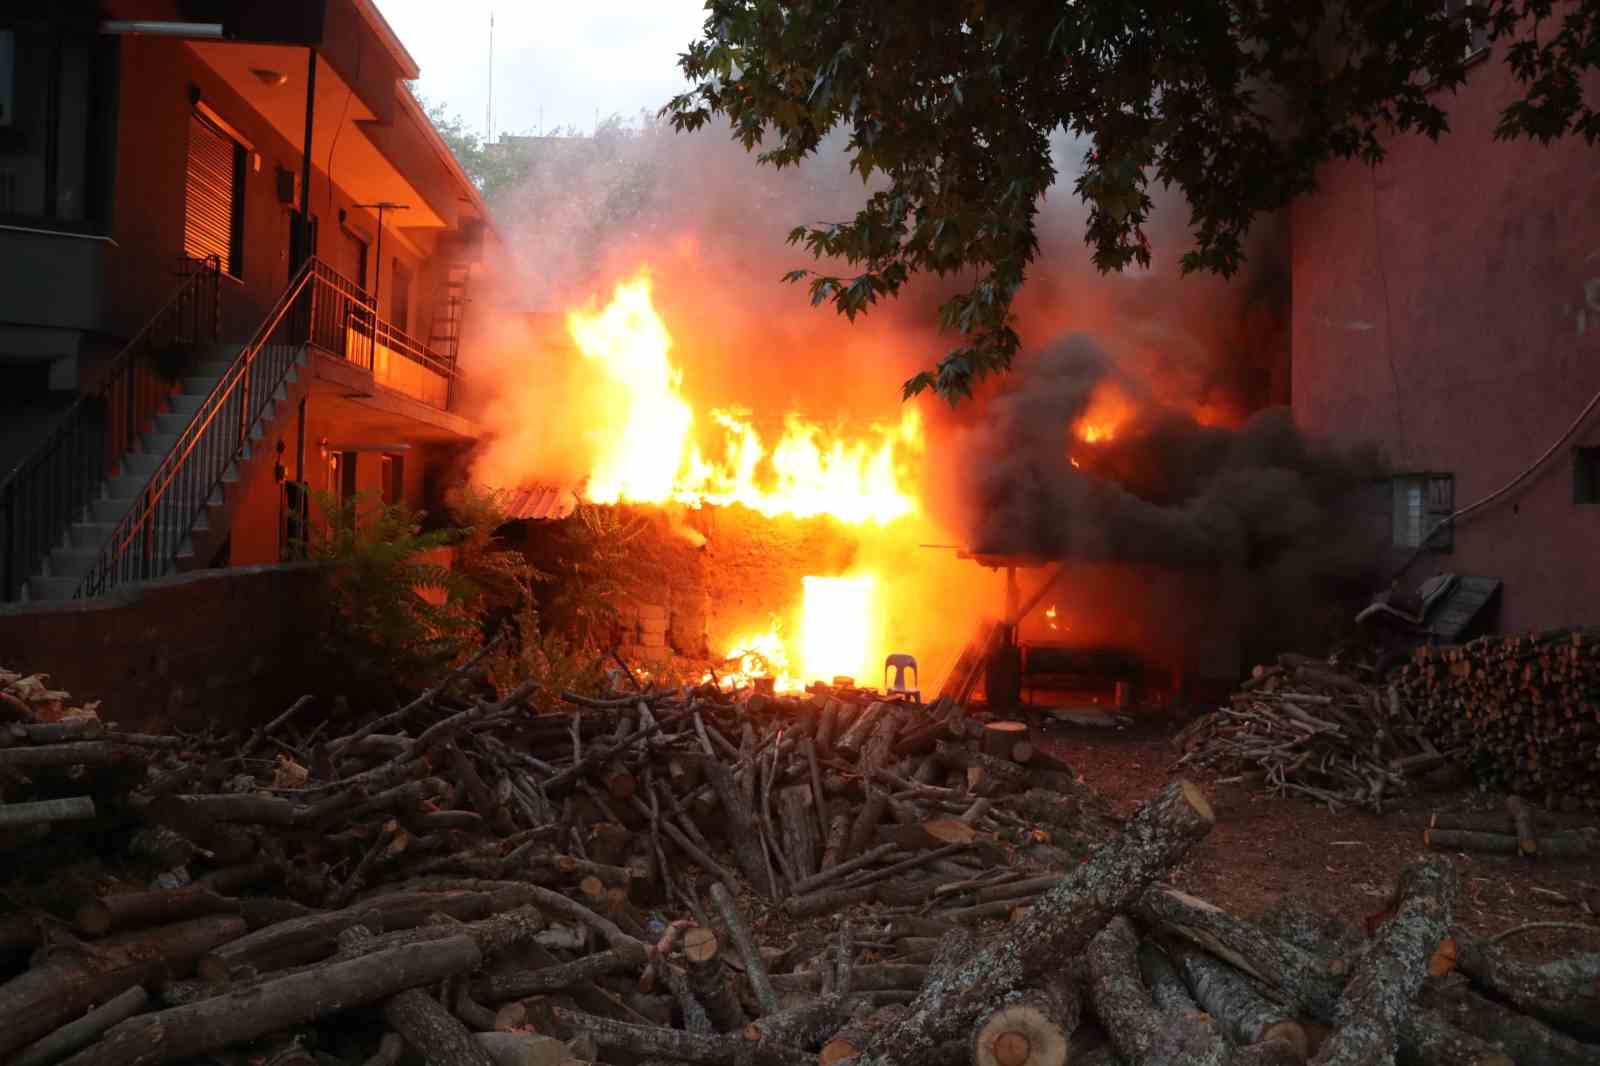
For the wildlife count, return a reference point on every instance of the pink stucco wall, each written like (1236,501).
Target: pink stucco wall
(1447,308)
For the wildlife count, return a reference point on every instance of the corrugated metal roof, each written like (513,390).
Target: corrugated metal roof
(540,503)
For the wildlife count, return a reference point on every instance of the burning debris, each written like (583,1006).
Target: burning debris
(686,876)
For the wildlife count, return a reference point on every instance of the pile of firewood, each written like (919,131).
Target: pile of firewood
(679,877)
(1305,728)
(1524,712)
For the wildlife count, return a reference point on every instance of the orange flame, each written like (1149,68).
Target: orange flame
(837,634)
(647,449)
(1109,408)
(1050,614)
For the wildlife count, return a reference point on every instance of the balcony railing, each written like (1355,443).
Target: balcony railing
(53,487)
(345,323)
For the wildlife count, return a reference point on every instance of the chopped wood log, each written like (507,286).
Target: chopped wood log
(853,739)
(1034,1030)
(715,1049)
(1375,1002)
(79,1034)
(849,1041)
(755,966)
(711,981)
(999,737)
(515,984)
(523,1049)
(1525,1039)
(1167,989)
(46,812)
(1573,844)
(1228,996)
(1002,774)
(742,833)
(872,978)
(188,1031)
(129,910)
(806,1026)
(798,817)
(1058,926)
(62,988)
(1563,992)
(432,1031)
(83,753)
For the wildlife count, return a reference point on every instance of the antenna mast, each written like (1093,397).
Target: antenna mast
(488,110)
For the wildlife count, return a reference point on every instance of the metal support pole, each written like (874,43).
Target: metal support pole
(303,251)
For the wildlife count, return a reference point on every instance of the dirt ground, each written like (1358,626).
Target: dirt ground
(1345,863)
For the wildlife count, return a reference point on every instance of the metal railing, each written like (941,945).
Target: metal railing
(320,308)
(347,324)
(54,486)
(146,541)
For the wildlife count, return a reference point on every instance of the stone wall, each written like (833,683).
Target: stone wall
(215,647)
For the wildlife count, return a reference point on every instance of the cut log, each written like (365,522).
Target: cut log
(1161,977)
(1564,992)
(1572,844)
(1000,737)
(807,1025)
(1228,996)
(84,1031)
(1522,820)
(711,981)
(62,988)
(742,833)
(1034,1030)
(432,1031)
(876,977)
(514,984)
(46,812)
(755,967)
(523,1049)
(798,816)
(128,910)
(1525,1039)
(849,1040)
(188,1031)
(854,738)
(1058,926)
(1375,1002)
(715,1049)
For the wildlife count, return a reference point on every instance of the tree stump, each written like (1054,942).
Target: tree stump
(1034,1030)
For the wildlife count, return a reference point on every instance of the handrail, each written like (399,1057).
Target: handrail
(53,485)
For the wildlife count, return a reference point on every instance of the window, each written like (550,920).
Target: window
(56,126)
(358,250)
(1421,503)
(213,204)
(400,304)
(1586,475)
(1474,12)
(394,479)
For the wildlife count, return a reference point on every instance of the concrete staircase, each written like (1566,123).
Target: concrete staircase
(80,545)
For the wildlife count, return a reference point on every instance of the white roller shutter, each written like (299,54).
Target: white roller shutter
(211,195)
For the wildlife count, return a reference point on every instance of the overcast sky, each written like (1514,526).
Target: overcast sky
(568,60)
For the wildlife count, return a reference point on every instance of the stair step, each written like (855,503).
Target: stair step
(52,588)
(187,403)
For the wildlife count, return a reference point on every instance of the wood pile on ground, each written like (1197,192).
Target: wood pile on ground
(686,877)
(1303,727)
(1523,712)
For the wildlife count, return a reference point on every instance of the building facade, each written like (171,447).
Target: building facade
(1447,308)
(235,257)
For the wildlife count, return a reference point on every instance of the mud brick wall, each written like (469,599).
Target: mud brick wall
(215,647)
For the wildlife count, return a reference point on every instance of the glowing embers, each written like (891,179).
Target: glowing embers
(761,655)
(837,627)
(650,447)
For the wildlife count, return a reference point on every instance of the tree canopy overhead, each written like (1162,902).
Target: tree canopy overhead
(951,104)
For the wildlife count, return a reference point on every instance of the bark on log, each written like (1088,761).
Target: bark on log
(1167,989)
(432,1031)
(46,812)
(185,1032)
(62,988)
(798,816)
(128,910)
(999,737)
(523,1049)
(1564,992)
(715,1049)
(84,1031)
(515,984)
(1228,996)
(1522,819)
(1034,1030)
(806,1026)
(755,967)
(1525,1039)
(849,1040)
(1376,1000)
(877,977)
(1572,844)
(741,827)
(1058,926)
(711,981)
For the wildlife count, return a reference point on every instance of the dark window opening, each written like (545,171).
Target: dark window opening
(1586,475)
(393,470)
(1422,503)
(57,125)
(1475,13)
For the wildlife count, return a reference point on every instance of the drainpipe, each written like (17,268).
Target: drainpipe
(301,249)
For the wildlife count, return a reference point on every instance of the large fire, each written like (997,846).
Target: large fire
(1109,408)
(652,448)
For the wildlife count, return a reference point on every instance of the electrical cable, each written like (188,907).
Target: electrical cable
(343,114)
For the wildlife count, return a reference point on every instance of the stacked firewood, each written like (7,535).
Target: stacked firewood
(1524,712)
(1304,727)
(681,877)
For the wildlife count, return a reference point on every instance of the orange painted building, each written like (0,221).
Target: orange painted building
(202,322)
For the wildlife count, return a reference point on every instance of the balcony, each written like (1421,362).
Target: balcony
(345,324)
